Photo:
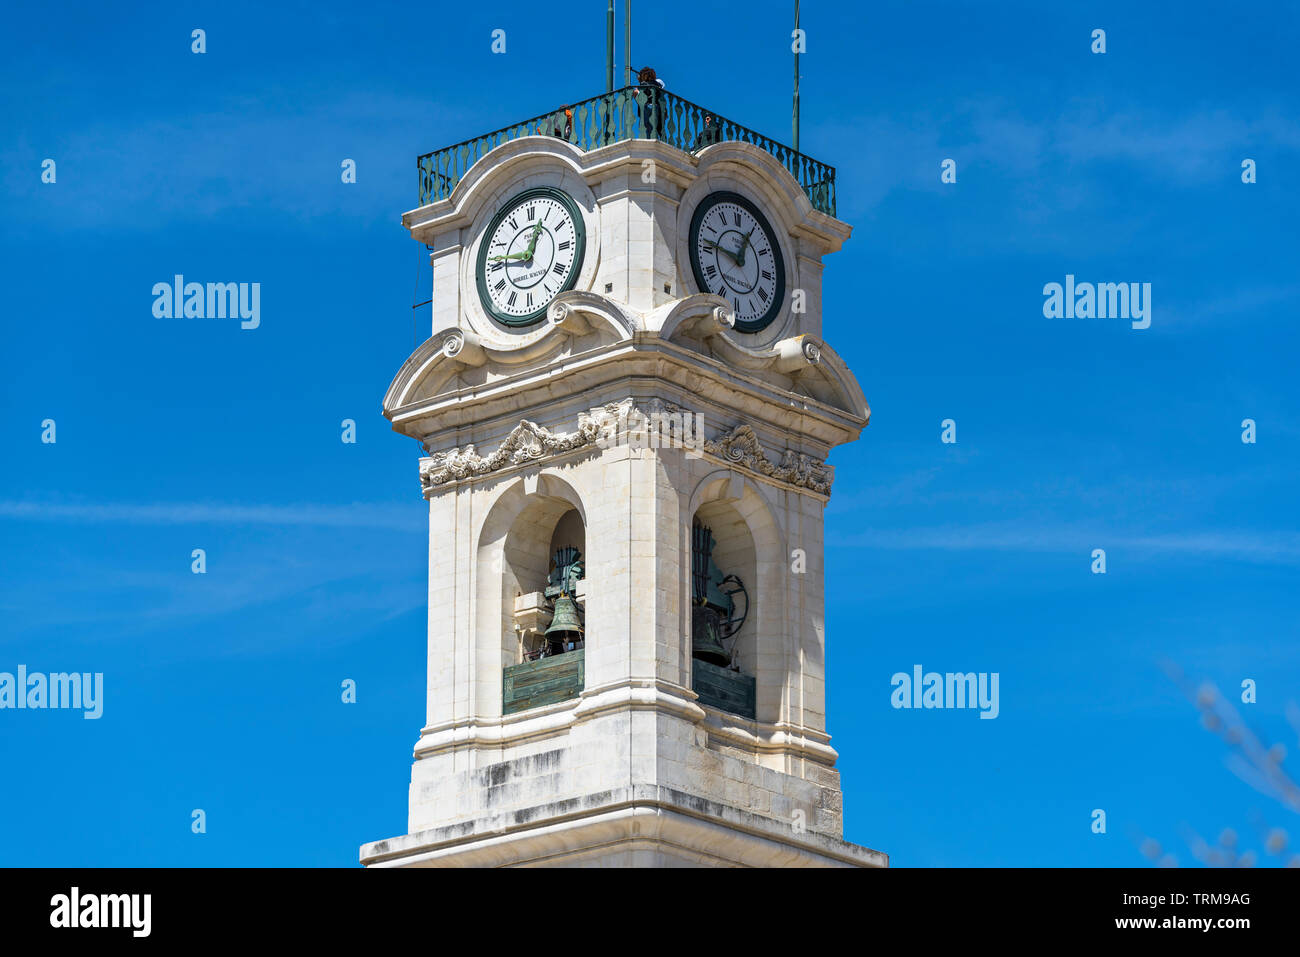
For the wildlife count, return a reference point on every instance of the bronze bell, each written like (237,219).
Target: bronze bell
(565,627)
(706,639)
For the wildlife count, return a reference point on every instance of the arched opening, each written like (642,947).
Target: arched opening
(724,609)
(541,602)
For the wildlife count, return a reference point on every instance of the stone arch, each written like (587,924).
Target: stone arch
(750,538)
(512,558)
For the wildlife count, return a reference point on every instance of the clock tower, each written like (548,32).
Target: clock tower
(626,406)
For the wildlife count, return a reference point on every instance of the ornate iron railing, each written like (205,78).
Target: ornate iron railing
(634,112)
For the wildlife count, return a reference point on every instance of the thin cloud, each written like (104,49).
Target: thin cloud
(357,515)
(1281,548)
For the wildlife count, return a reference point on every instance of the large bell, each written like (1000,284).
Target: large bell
(565,628)
(706,637)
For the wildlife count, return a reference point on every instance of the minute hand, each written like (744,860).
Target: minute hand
(744,246)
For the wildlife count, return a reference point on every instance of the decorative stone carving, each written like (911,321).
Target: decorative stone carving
(741,447)
(529,442)
(453,344)
(463,347)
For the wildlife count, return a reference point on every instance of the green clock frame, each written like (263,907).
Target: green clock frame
(701,210)
(579,253)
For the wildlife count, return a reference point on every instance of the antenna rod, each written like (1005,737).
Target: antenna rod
(627,40)
(609,49)
(796,76)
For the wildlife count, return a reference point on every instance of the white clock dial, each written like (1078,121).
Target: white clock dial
(532,252)
(734,255)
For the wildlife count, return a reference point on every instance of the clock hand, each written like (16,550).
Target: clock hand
(526,254)
(532,245)
(741,260)
(724,249)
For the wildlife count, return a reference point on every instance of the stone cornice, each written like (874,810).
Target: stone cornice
(641,814)
(628,694)
(643,358)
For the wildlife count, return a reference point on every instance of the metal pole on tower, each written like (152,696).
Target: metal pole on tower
(627,41)
(609,48)
(796,46)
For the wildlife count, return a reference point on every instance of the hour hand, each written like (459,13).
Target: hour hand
(532,243)
(723,249)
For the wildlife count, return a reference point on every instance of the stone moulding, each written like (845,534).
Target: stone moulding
(649,817)
(530,443)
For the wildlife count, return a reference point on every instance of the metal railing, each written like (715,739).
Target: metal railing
(634,112)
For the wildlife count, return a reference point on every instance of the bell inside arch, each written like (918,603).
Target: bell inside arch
(715,616)
(565,630)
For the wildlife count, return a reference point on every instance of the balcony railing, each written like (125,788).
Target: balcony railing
(634,112)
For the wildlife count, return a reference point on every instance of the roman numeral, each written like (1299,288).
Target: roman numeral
(558,268)
(532,212)
(762,294)
(496,265)
(737,215)
(711,271)
(501,284)
(764,252)
(530,300)
(513,296)
(766,274)
(564,245)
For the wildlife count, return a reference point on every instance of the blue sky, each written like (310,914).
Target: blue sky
(222,690)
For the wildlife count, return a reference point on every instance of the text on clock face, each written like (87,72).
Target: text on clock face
(530,255)
(738,260)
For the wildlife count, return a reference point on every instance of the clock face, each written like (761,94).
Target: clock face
(734,255)
(531,252)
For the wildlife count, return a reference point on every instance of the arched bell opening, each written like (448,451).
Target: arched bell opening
(724,609)
(564,592)
(545,567)
(530,608)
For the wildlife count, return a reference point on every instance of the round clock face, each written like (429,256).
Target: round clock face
(734,255)
(531,252)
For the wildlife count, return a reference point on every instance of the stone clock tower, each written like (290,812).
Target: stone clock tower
(626,406)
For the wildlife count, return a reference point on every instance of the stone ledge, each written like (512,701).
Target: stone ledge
(626,695)
(679,826)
